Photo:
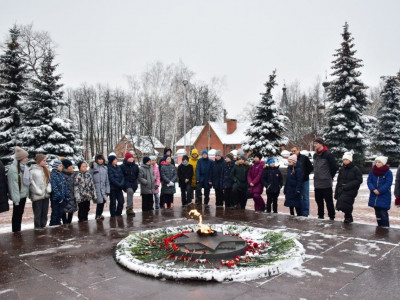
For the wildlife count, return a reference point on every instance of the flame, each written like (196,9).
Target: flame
(203,228)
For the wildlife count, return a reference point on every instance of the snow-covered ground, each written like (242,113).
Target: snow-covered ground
(362,212)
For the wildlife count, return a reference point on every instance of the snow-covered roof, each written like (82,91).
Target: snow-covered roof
(237,137)
(191,136)
(144,143)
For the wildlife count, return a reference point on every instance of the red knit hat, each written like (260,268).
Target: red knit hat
(128,155)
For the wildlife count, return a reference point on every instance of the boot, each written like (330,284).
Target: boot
(130,212)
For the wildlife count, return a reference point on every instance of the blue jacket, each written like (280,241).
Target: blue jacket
(59,188)
(70,205)
(272,180)
(293,187)
(203,170)
(217,167)
(226,179)
(116,177)
(382,184)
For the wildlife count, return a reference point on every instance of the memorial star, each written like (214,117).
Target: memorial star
(209,242)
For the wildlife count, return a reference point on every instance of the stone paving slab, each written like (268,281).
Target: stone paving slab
(76,261)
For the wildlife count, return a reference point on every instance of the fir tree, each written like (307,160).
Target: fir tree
(387,136)
(267,127)
(346,124)
(43,130)
(13,77)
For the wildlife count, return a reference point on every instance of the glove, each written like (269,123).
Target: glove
(397,201)
(170,183)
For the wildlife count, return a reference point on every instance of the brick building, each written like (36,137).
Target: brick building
(139,145)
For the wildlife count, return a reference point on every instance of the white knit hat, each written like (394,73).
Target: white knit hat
(293,158)
(382,159)
(348,155)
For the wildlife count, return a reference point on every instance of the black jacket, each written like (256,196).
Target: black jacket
(116,177)
(3,189)
(216,174)
(185,172)
(304,163)
(272,180)
(226,179)
(131,174)
(348,183)
(324,169)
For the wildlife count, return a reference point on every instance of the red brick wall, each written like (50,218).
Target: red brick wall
(231,126)
(202,141)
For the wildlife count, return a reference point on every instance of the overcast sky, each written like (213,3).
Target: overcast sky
(243,41)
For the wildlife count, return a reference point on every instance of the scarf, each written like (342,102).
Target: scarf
(323,150)
(380,171)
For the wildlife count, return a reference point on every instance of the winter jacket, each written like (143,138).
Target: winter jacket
(272,180)
(348,183)
(184,172)
(4,189)
(324,169)
(99,174)
(13,187)
(156,172)
(239,176)
(193,162)
(116,177)
(70,205)
(168,174)
(293,187)
(216,173)
(84,188)
(254,176)
(304,163)
(59,188)
(382,183)
(131,173)
(226,179)
(39,188)
(146,179)
(397,183)
(203,170)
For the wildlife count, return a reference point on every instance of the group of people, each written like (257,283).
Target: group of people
(234,180)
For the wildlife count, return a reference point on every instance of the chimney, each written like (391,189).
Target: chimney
(231,125)
(225,113)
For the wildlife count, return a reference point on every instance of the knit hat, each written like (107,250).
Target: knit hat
(146,159)
(153,157)
(230,156)
(66,163)
(128,155)
(79,164)
(56,163)
(319,140)
(243,156)
(185,157)
(39,158)
(204,152)
(293,158)
(382,159)
(259,155)
(98,156)
(111,158)
(270,161)
(348,155)
(20,153)
(218,153)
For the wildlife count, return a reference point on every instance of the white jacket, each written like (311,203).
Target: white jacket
(38,189)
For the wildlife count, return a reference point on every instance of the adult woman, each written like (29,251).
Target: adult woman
(168,178)
(379,181)
(254,179)
(40,190)
(99,174)
(84,191)
(348,183)
(293,186)
(147,180)
(18,186)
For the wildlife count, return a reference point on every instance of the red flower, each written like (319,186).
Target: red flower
(255,245)
(231,263)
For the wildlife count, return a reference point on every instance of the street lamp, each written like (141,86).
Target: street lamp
(185,83)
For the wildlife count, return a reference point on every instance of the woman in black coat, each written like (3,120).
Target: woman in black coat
(293,186)
(3,189)
(348,183)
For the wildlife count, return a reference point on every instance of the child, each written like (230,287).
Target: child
(147,180)
(168,177)
(379,181)
(117,182)
(70,206)
(293,186)
(273,182)
(226,180)
(85,192)
(185,174)
(156,172)
(59,191)
(239,177)
(99,174)
(254,179)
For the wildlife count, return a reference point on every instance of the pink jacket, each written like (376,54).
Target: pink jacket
(254,176)
(156,172)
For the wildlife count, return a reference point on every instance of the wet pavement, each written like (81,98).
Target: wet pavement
(354,261)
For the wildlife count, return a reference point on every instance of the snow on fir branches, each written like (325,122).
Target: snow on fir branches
(387,134)
(265,134)
(346,123)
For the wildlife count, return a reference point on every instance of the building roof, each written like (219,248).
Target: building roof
(191,136)
(144,143)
